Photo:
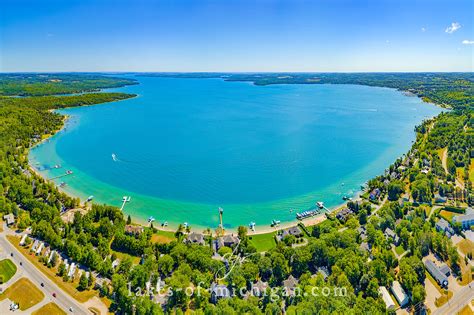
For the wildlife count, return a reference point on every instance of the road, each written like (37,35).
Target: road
(62,299)
(458,301)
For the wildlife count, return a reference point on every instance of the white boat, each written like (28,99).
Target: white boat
(114,157)
(164,223)
(126,198)
(90,198)
(151,219)
(320,204)
(252,226)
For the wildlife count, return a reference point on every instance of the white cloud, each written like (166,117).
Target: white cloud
(453,28)
(423,29)
(468,42)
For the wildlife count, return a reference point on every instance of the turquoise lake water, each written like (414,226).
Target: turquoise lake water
(185,147)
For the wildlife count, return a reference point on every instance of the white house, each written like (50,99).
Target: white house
(39,249)
(23,239)
(387,298)
(399,293)
(72,269)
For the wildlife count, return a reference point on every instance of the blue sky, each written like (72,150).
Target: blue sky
(227,35)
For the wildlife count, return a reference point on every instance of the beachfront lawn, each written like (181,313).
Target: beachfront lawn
(163,237)
(7,270)
(121,256)
(24,293)
(263,242)
(68,287)
(49,309)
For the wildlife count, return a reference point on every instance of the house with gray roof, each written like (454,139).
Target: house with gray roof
(219,291)
(9,219)
(390,234)
(290,285)
(436,273)
(195,238)
(443,226)
(466,220)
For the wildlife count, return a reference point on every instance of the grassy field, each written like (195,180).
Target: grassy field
(471,171)
(7,270)
(163,237)
(447,215)
(399,249)
(466,310)
(121,256)
(466,246)
(24,293)
(49,309)
(68,287)
(263,242)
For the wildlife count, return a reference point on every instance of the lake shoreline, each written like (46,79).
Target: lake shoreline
(260,229)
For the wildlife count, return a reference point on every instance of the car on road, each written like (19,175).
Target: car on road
(71,309)
(42,284)
(54,294)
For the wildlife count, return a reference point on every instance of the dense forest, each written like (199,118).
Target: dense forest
(333,255)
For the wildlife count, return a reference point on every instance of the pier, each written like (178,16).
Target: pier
(62,175)
(125,199)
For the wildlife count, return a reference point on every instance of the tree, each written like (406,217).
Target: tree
(83,283)
(418,293)
(394,189)
(129,219)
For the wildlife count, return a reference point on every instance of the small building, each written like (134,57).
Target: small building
(290,285)
(23,239)
(399,293)
(437,273)
(228,240)
(40,248)
(324,271)
(71,271)
(344,214)
(115,263)
(466,220)
(259,288)
(374,194)
(390,305)
(219,291)
(294,230)
(195,238)
(443,226)
(9,219)
(134,229)
(389,234)
(35,245)
(53,252)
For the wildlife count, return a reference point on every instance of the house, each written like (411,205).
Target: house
(390,305)
(466,220)
(445,270)
(219,291)
(374,194)
(9,219)
(290,285)
(35,245)
(343,214)
(195,238)
(23,239)
(399,293)
(71,271)
(115,263)
(259,288)
(443,226)
(362,232)
(389,234)
(295,231)
(40,248)
(51,256)
(134,229)
(437,273)
(228,240)
(364,246)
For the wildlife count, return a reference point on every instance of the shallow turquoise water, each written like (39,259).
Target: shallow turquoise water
(184,147)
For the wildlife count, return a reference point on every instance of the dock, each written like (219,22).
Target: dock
(62,175)
(125,199)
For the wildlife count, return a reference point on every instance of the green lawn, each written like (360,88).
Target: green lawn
(263,242)
(7,270)
(23,292)
(163,237)
(399,249)
(447,215)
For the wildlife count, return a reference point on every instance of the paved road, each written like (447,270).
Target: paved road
(64,300)
(458,301)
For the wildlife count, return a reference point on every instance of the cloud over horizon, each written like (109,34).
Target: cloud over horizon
(468,42)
